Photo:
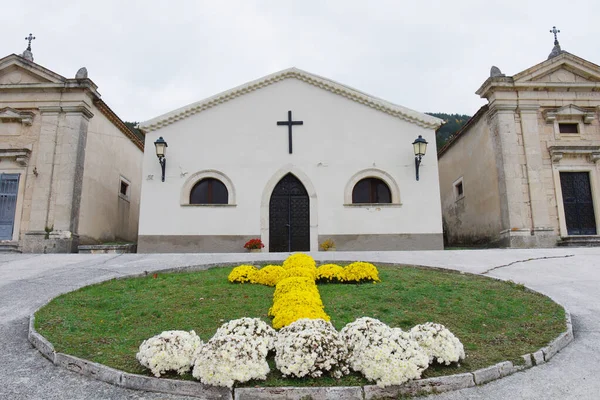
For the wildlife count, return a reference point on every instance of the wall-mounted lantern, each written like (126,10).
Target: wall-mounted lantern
(420,147)
(161,149)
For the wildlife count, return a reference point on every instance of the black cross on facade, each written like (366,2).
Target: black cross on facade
(289,123)
(29,38)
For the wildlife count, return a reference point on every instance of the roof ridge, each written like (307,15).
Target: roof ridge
(330,85)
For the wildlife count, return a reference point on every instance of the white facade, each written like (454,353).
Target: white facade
(234,137)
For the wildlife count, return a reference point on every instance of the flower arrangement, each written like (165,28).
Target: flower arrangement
(359,272)
(242,274)
(382,354)
(329,273)
(299,260)
(269,275)
(254,244)
(169,351)
(438,343)
(251,328)
(295,298)
(327,244)
(310,347)
(227,359)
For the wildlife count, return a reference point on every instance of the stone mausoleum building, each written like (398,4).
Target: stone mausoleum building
(524,172)
(70,169)
(293,159)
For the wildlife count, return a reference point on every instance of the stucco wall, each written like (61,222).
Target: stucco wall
(110,155)
(339,139)
(474,217)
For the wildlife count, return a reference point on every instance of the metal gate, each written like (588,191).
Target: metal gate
(9,186)
(577,200)
(289,212)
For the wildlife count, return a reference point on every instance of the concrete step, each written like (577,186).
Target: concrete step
(580,241)
(9,247)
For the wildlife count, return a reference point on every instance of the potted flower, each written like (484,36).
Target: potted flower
(328,245)
(254,245)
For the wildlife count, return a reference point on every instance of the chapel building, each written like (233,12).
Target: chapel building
(523,171)
(293,159)
(70,169)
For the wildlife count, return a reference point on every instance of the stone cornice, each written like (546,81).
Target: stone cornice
(558,151)
(118,122)
(569,112)
(21,155)
(8,114)
(83,110)
(406,114)
(526,80)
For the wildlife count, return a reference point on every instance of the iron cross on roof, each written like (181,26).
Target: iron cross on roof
(555,31)
(289,124)
(29,38)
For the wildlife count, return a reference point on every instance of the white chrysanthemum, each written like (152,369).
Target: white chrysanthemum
(252,328)
(303,324)
(225,360)
(310,347)
(169,351)
(382,354)
(362,332)
(438,342)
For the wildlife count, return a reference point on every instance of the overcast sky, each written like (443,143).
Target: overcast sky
(150,57)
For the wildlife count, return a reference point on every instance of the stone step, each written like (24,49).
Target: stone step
(580,241)
(9,247)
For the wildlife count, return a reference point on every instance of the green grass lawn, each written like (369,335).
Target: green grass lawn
(495,320)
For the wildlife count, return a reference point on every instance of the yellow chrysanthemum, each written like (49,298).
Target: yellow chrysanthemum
(305,272)
(300,260)
(242,274)
(295,298)
(269,275)
(360,272)
(329,272)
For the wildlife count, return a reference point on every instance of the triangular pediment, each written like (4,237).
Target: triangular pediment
(329,85)
(15,70)
(565,68)
(8,114)
(570,112)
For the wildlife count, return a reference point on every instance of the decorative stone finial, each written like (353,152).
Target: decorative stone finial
(27,54)
(556,50)
(495,71)
(81,73)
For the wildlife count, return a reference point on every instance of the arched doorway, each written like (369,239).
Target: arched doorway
(289,216)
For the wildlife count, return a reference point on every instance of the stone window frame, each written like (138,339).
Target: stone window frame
(196,177)
(127,195)
(459,182)
(372,173)
(578,120)
(591,170)
(569,114)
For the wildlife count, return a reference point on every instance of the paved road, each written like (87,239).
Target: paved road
(570,276)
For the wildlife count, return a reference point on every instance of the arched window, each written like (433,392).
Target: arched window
(209,191)
(371,190)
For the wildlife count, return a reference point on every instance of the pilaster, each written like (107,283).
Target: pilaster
(540,217)
(509,162)
(57,192)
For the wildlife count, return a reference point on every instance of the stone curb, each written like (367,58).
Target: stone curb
(369,392)
(300,393)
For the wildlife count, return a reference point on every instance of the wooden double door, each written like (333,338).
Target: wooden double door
(289,216)
(578,203)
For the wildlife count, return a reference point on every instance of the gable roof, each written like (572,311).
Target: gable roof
(531,77)
(52,81)
(404,113)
